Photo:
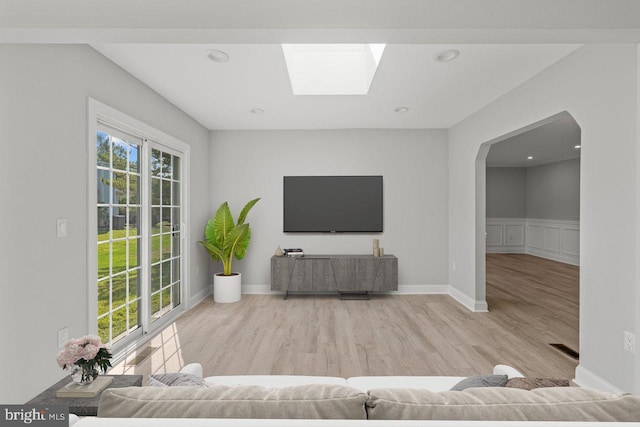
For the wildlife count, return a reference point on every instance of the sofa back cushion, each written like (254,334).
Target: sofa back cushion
(273,381)
(309,401)
(502,404)
(431,383)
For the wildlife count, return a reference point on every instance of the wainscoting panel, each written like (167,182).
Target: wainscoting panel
(515,235)
(571,241)
(553,239)
(505,235)
(535,238)
(494,235)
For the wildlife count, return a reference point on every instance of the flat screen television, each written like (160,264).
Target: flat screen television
(333,204)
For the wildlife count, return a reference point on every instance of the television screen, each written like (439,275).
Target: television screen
(333,204)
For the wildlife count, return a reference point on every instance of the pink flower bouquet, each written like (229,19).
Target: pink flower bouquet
(87,354)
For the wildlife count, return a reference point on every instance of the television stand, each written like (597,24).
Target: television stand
(351,276)
(364,295)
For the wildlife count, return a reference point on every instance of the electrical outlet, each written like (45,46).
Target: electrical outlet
(63,337)
(629,342)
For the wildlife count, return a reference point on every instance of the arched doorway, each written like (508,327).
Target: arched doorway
(481,193)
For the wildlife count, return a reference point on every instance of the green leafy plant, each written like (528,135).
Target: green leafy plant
(226,239)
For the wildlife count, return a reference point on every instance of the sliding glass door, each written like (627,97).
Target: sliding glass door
(139,234)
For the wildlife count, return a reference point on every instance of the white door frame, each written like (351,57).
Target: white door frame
(100,111)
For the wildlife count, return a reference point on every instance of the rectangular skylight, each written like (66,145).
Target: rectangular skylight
(332,69)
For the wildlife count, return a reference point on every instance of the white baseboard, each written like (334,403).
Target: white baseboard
(470,303)
(567,259)
(586,378)
(481,307)
(258,290)
(199,297)
(474,305)
(402,290)
(421,290)
(505,250)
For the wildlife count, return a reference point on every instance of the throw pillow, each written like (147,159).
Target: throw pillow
(531,383)
(481,381)
(176,380)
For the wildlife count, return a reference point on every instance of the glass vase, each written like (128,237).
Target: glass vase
(82,375)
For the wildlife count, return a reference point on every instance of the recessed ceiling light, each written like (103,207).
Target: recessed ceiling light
(256,111)
(530,158)
(218,55)
(577,146)
(401,109)
(446,55)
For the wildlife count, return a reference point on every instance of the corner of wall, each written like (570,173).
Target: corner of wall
(199,297)
(586,378)
(476,306)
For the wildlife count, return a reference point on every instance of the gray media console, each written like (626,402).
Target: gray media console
(351,276)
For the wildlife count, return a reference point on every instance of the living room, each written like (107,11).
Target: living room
(434,194)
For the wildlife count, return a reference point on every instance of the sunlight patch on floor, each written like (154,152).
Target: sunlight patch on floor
(167,358)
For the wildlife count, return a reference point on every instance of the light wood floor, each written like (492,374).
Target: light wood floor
(532,302)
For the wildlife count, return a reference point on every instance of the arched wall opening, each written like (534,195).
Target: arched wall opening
(480,202)
(597,85)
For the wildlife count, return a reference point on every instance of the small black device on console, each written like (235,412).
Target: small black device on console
(293,252)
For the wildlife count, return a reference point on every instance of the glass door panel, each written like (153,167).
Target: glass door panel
(118,234)
(166,239)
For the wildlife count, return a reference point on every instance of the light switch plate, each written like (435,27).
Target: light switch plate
(61,227)
(63,337)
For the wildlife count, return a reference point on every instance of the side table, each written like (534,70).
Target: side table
(85,406)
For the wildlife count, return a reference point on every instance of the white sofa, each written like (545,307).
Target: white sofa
(364,384)
(432,383)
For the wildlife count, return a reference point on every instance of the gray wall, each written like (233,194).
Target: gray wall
(553,191)
(506,192)
(550,191)
(414,166)
(43,176)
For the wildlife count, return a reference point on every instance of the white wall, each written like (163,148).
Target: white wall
(597,84)
(43,176)
(637,158)
(247,164)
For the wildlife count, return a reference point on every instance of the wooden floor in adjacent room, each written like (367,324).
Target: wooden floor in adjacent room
(532,302)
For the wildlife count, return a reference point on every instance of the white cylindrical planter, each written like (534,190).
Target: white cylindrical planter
(227,288)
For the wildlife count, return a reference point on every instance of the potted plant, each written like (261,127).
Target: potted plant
(225,240)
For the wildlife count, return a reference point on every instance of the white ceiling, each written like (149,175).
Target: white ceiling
(552,142)
(320,21)
(438,95)
(162,42)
